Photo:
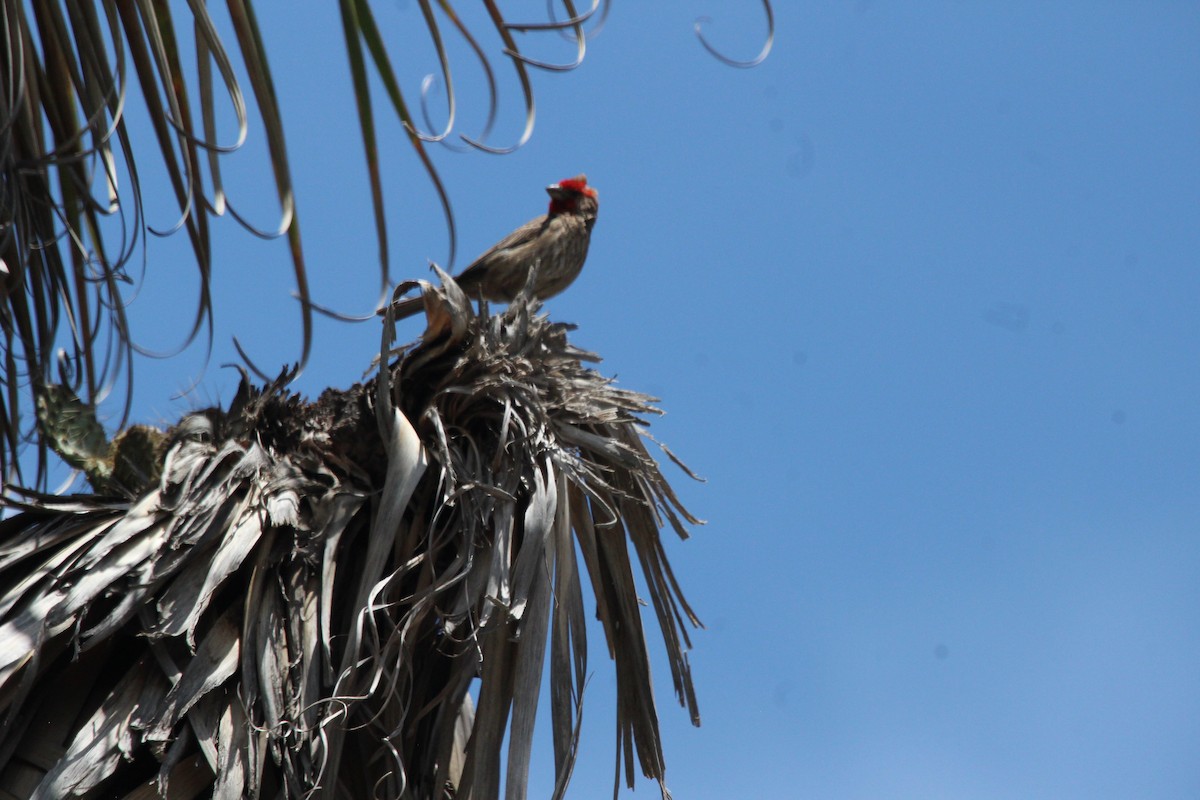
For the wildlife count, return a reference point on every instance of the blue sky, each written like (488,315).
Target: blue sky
(920,295)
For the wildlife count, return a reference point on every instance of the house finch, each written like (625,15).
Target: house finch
(555,244)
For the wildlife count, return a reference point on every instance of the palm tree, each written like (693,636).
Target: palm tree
(348,597)
(356,593)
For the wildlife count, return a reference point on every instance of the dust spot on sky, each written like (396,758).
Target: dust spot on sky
(800,163)
(1010,316)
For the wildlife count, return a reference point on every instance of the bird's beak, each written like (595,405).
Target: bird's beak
(555,191)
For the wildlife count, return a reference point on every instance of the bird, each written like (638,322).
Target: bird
(555,244)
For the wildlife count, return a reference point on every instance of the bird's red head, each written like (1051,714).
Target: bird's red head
(566,194)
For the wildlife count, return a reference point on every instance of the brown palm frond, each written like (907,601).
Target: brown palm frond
(355,597)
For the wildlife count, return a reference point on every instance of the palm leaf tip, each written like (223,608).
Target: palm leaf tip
(367,587)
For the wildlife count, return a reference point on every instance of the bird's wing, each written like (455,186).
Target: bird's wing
(518,238)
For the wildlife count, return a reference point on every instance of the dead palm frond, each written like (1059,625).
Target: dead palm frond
(354,597)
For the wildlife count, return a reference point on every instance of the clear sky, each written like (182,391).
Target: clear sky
(920,295)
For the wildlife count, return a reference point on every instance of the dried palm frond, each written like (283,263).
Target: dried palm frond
(354,597)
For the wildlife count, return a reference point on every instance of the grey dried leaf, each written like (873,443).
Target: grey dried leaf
(354,570)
